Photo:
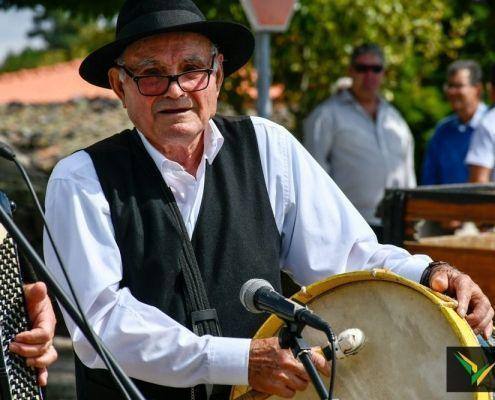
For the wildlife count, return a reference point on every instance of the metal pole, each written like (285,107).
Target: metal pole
(262,60)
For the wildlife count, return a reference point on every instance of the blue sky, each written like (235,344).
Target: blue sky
(13,27)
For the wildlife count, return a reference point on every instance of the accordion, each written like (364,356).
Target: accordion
(17,380)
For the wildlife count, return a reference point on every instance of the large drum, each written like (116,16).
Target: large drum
(407,328)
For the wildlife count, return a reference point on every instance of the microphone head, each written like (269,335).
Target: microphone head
(6,151)
(249,289)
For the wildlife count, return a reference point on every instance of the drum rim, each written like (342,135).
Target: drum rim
(447,307)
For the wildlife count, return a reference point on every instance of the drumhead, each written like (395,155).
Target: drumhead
(407,328)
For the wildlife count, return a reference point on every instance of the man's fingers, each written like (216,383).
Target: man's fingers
(45,360)
(295,367)
(284,391)
(480,308)
(29,350)
(463,287)
(39,335)
(292,381)
(274,370)
(42,376)
(440,281)
(35,291)
(487,332)
(480,322)
(320,363)
(40,311)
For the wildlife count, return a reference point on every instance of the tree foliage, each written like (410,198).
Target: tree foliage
(419,37)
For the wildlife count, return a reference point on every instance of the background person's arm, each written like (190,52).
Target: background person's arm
(479,174)
(481,155)
(319,134)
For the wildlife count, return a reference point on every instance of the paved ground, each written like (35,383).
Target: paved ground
(61,379)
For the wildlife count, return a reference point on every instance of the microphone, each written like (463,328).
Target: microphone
(348,343)
(258,295)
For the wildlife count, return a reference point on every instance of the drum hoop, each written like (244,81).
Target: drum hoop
(447,307)
(311,292)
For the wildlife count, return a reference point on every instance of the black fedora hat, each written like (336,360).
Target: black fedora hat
(142,18)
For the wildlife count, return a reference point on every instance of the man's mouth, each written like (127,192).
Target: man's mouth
(174,111)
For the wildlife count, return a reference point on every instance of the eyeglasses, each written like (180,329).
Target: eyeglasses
(362,68)
(156,85)
(455,86)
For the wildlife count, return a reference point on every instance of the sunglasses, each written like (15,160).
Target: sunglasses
(362,68)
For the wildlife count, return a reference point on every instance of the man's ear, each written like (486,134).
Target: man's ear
(116,84)
(479,90)
(219,73)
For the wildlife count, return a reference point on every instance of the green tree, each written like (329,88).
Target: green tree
(419,37)
(479,39)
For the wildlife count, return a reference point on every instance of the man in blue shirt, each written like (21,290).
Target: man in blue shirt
(447,149)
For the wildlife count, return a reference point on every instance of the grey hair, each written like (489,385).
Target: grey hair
(367,48)
(475,73)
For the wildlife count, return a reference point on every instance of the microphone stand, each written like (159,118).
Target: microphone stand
(67,303)
(290,338)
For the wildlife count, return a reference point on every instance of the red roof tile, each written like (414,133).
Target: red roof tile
(51,84)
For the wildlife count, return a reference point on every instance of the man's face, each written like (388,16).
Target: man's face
(175,117)
(367,75)
(462,95)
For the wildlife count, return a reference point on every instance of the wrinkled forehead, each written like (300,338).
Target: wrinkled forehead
(460,75)
(170,48)
(368,58)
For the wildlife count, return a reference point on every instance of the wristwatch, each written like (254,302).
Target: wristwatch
(426,275)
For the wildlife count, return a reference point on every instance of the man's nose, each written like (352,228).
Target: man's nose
(174,90)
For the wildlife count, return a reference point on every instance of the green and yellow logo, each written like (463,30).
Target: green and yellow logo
(477,375)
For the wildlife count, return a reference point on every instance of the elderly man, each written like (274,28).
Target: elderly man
(481,155)
(445,156)
(161,225)
(360,139)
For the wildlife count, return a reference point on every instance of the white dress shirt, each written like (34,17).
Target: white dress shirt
(322,234)
(363,156)
(482,147)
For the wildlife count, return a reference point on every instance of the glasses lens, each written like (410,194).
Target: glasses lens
(454,86)
(362,68)
(194,80)
(153,85)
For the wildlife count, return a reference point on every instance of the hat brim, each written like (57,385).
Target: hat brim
(233,40)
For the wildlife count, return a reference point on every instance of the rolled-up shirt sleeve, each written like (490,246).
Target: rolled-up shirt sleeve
(482,146)
(148,344)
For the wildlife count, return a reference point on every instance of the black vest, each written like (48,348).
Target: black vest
(235,238)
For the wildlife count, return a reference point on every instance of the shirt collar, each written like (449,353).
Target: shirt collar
(478,115)
(212,140)
(347,97)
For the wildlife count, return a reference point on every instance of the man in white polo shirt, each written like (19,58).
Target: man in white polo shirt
(481,154)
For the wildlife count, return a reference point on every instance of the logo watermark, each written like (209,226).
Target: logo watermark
(470,369)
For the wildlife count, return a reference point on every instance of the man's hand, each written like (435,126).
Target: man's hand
(275,371)
(36,344)
(473,304)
